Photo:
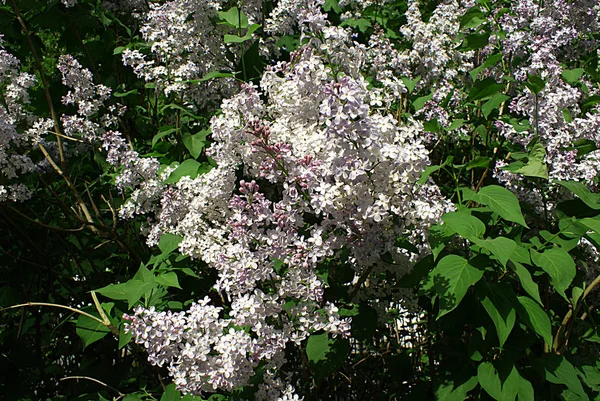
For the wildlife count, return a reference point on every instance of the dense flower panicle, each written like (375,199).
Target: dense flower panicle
(326,174)
(434,55)
(554,114)
(88,96)
(185,42)
(14,159)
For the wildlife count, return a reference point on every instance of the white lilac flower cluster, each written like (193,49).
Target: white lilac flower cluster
(89,99)
(432,60)
(14,161)
(324,173)
(555,114)
(185,43)
(88,124)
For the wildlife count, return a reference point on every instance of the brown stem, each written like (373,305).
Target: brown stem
(561,339)
(55,306)
(121,395)
(39,223)
(44,81)
(80,202)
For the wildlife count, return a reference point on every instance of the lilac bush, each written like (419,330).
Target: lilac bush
(305,199)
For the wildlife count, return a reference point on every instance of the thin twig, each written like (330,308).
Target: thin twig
(55,306)
(12,209)
(80,202)
(562,335)
(44,81)
(94,380)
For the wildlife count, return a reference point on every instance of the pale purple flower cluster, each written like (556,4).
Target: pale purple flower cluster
(87,96)
(14,158)
(544,38)
(185,42)
(435,56)
(325,174)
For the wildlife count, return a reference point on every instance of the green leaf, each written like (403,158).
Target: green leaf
(431,169)
(591,375)
(535,84)
(169,242)
(419,102)
(484,89)
(170,393)
(329,5)
(189,168)
(234,17)
(326,355)
(452,391)
(478,162)
(124,94)
(500,200)
(501,310)
(533,168)
(212,75)
(475,41)
(168,279)
(490,381)
(525,392)
(144,275)
(360,23)
(450,280)
(239,39)
(464,224)
(410,83)
(591,223)
(90,330)
(582,191)
(490,61)
(124,338)
(502,248)
(195,143)
(472,18)
(573,76)
(432,125)
(439,237)
(527,282)
(558,370)
(164,131)
(459,122)
(493,103)
(558,264)
(536,318)
(132,290)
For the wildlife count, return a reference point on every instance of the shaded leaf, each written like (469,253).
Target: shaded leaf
(450,280)
(502,248)
(501,310)
(326,355)
(500,200)
(536,318)
(559,370)
(90,330)
(558,264)
(527,282)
